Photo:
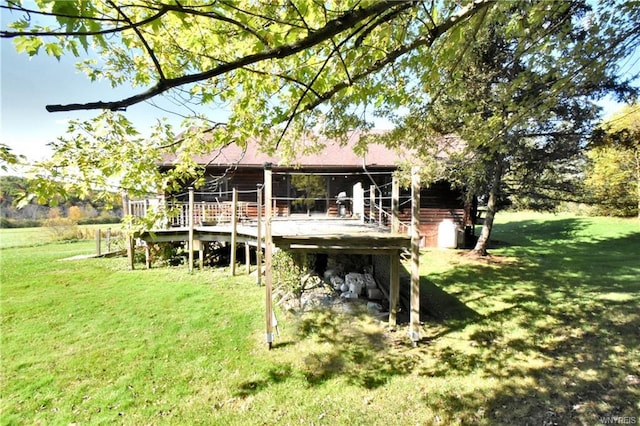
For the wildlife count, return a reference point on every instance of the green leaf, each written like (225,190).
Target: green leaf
(65,11)
(54,49)
(29,45)
(83,39)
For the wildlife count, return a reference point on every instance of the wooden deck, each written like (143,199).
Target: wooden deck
(312,234)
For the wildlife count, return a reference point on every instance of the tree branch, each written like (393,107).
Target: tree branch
(13,6)
(425,40)
(148,48)
(381,20)
(266,18)
(332,28)
(10,34)
(284,77)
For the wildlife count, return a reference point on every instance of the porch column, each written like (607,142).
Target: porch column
(268,254)
(358,201)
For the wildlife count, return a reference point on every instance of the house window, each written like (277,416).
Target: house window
(308,193)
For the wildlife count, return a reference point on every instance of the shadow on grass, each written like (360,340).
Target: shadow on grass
(275,375)
(560,328)
(350,345)
(549,338)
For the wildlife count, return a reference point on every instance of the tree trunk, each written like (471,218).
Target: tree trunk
(637,156)
(480,248)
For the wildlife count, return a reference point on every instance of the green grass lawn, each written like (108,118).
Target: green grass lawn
(28,237)
(546,330)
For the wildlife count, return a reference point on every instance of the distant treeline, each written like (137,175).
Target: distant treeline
(30,223)
(98,209)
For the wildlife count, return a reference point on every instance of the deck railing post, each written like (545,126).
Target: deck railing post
(380,210)
(268,276)
(372,203)
(259,236)
(395,205)
(234,230)
(414,332)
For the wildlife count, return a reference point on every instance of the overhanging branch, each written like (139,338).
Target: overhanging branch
(425,40)
(332,28)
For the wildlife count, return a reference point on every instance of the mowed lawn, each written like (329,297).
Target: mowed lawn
(546,331)
(28,237)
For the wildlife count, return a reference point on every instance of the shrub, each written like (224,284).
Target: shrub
(63,229)
(287,273)
(99,220)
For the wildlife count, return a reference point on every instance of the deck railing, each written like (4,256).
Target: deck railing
(210,213)
(375,210)
(176,213)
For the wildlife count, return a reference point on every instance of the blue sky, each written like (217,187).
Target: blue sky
(27,85)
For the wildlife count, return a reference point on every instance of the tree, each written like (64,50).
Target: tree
(299,53)
(271,64)
(282,68)
(75,214)
(613,171)
(522,113)
(8,158)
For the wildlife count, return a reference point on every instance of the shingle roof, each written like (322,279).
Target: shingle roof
(334,154)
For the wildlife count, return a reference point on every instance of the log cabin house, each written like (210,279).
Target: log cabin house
(333,183)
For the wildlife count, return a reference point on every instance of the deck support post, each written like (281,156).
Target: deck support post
(201,255)
(191,225)
(126,210)
(414,330)
(247,257)
(394,289)
(147,256)
(268,254)
(234,230)
(259,236)
(98,241)
(108,240)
